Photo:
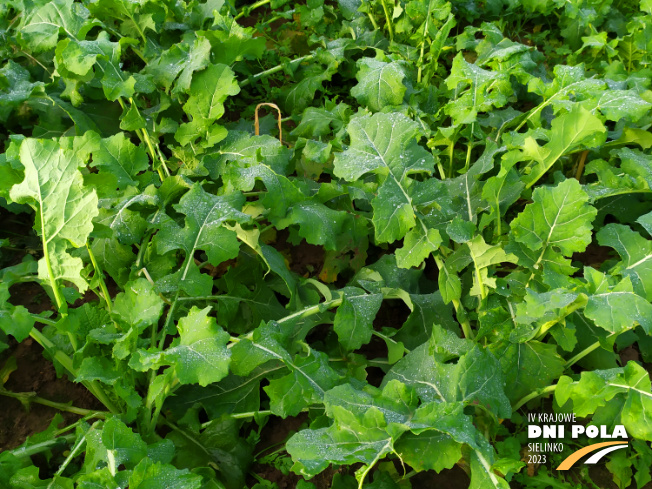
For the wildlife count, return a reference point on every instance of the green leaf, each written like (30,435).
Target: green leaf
(528,366)
(418,244)
(615,308)
(318,224)
(39,30)
(310,377)
(476,378)
(618,104)
(569,132)
(365,426)
(241,152)
(121,158)
(15,88)
(354,318)
(182,60)
(139,305)
(231,42)
(122,445)
(64,207)
(417,450)
(482,475)
(559,217)
(14,320)
(379,83)
(636,254)
(317,122)
(200,355)
(628,388)
(386,145)
(209,89)
(231,395)
(481,90)
(205,230)
(150,475)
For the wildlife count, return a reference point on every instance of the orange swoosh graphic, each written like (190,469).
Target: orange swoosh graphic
(574,457)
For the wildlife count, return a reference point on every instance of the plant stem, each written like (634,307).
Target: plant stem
(459,309)
(92,385)
(389,21)
(390,340)
(247,10)
(100,277)
(62,305)
(273,70)
(42,320)
(73,453)
(24,452)
(545,327)
(469,148)
(580,166)
(28,397)
(373,21)
(534,395)
(451,148)
(588,350)
(423,43)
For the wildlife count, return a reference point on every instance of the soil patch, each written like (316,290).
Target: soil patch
(37,374)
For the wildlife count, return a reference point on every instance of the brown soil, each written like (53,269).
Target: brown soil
(594,255)
(304,259)
(273,435)
(36,374)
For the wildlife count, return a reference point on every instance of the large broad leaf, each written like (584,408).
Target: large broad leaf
(209,90)
(569,81)
(368,424)
(528,366)
(139,305)
(231,395)
(386,145)
(149,474)
(476,378)
(118,157)
(64,208)
(575,129)
(232,42)
(182,60)
(200,355)
(206,215)
(16,88)
(628,389)
(615,308)
(354,318)
(635,252)
(559,217)
(310,375)
(40,27)
(14,320)
(309,378)
(379,83)
(122,445)
(481,90)
(618,104)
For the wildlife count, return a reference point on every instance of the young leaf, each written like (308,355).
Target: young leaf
(200,355)
(139,306)
(354,318)
(209,89)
